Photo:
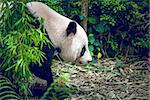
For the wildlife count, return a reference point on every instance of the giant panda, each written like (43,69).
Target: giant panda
(67,36)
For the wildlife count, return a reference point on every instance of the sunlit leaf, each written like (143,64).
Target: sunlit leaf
(99,55)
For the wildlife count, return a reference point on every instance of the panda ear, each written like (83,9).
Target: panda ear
(77,19)
(72,28)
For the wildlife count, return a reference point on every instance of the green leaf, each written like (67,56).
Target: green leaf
(99,55)
(91,39)
(91,47)
(18,22)
(90,35)
(18,65)
(10,96)
(100,28)
(113,44)
(92,20)
(9,68)
(96,42)
(91,53)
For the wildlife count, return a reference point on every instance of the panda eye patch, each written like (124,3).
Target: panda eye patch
(82,51)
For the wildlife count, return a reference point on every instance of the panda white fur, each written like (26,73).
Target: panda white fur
(64,33)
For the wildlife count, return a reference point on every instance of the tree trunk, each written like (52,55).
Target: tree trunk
(84,12)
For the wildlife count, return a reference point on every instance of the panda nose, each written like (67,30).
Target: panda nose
(89,61)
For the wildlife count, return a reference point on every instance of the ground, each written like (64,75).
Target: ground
(107,80)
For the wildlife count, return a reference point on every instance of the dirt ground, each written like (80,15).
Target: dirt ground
(107,80)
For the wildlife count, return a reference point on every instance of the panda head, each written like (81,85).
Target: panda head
(66,34)
(75,45)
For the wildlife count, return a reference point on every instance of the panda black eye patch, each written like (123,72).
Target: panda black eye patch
(82,51)
(72,28)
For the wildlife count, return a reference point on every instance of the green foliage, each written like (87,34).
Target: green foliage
(21,42)
(71,8)
(144,42)
(101,28)
(113,44)
(108,19)
(118,25)
(54,4)
(58,90)
(91,42)
(7,89)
